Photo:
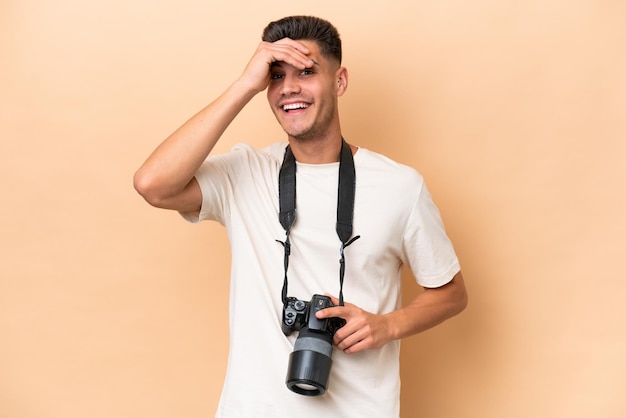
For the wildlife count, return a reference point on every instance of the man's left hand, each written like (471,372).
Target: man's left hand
(363,330)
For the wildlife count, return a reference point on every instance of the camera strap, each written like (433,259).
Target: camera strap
(345,207)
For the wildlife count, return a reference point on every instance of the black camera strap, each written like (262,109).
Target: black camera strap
(345,207)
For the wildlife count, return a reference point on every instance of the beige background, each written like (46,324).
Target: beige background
(513,111)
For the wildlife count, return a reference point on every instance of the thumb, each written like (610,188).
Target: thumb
(328,312)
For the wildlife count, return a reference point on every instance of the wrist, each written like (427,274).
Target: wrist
(390,325)
(397,323)
(247,86)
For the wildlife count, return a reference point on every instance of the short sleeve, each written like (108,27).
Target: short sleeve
(426,246)
(216,178)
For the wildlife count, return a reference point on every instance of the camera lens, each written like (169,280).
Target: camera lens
(309,363)
(305,387)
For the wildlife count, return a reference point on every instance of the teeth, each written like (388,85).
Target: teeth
(294,106)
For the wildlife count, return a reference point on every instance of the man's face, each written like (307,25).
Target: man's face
(305,101)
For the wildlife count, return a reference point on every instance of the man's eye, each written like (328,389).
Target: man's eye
(276,76)
(306,71)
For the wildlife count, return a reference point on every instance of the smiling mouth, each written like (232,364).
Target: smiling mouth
(294,106)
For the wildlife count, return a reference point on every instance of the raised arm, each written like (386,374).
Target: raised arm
(166,178)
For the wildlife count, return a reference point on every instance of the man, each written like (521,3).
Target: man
(394,219)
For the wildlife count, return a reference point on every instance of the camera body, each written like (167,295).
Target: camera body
(310,361)
(298,314)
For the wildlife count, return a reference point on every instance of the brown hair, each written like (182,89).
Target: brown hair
(308,28)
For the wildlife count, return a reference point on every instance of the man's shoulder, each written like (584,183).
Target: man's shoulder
(247,154)
(379,164)
(275,150)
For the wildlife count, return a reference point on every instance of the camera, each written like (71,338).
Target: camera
(310,362)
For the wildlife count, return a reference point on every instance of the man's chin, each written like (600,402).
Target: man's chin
(303,137)
(299,134)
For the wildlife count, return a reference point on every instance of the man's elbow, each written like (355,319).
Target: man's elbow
(148,188)
(164,195)
(461,302)
(459,295)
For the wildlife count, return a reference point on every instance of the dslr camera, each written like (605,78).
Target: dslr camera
(310,362)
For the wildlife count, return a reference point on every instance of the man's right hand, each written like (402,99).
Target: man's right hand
(257,72)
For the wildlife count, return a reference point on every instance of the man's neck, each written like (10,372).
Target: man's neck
(317,151)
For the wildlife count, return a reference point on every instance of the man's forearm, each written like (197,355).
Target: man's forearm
(428,309)
(365,330)
(172,165)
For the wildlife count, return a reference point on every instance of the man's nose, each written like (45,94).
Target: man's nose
(290,85)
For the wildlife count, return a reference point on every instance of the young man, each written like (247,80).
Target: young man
(393,217)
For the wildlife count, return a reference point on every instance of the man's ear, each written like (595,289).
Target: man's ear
(342,81)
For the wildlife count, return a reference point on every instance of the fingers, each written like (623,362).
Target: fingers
(257,72)
(295,44)
(355,331)
(334,311)
(352,336)
(288,51)
(355,342)
(362,331)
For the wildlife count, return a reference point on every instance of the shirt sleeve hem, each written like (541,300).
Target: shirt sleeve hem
(442,279)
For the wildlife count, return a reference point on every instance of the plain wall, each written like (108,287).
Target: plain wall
(514,112)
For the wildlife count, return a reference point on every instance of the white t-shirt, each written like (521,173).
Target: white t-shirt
(398,224)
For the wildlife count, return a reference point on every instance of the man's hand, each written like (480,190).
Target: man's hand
(257,72)
(363,330)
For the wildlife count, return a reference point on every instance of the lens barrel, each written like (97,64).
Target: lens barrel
(309,363)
